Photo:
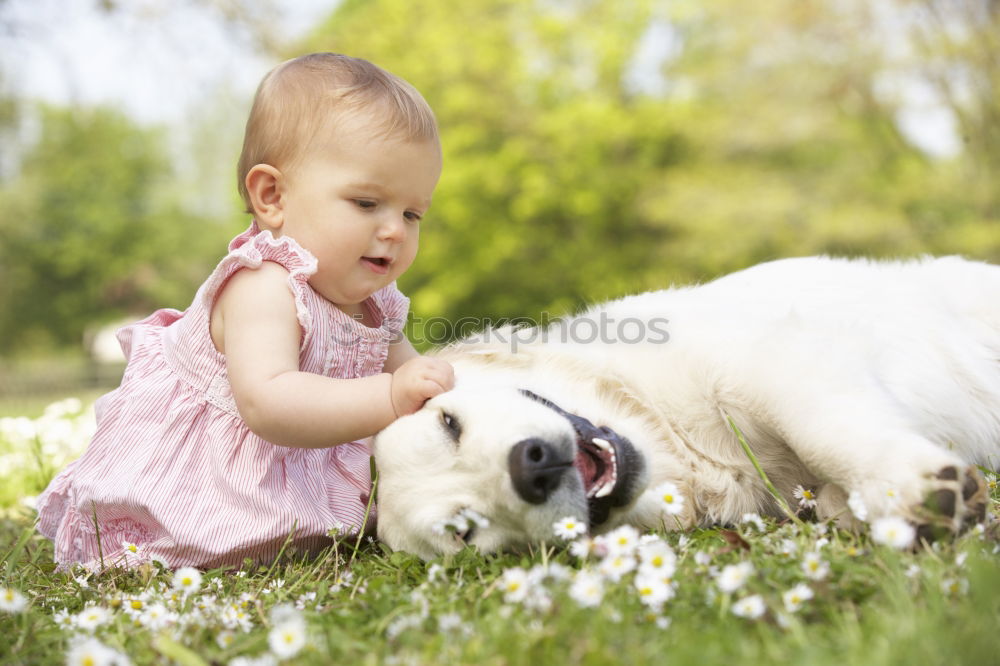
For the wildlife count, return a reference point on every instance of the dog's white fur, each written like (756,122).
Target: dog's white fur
(843,376)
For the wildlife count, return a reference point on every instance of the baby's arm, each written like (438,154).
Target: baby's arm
(260,338)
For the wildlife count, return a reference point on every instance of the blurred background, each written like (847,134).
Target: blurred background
(592,148)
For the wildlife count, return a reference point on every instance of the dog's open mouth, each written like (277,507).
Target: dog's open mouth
(609,466)
(598,466)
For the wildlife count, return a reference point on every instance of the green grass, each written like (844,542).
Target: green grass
(870,609)
(363,604)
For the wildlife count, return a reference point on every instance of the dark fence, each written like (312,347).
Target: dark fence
(56,377)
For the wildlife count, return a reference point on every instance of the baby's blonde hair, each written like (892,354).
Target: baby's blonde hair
(301,96)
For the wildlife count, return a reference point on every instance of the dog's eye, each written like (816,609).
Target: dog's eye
(451,424)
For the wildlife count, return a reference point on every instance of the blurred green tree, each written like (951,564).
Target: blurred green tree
(575,170)
(550,151)
(86,236)
(592,148)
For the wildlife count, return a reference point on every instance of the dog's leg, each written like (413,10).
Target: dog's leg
(862,445)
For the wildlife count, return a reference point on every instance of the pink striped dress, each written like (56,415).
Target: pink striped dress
(174,470)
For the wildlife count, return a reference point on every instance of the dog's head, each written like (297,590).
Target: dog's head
(496,468)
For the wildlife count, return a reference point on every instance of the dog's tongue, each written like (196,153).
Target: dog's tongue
(587,465)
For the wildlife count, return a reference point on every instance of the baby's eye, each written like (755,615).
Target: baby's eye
(412,216)
(365,204)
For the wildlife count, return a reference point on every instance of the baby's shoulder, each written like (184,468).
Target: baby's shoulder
(261,285)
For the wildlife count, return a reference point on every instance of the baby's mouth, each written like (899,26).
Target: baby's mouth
(377,264)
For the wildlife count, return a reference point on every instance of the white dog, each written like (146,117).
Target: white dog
(878,382)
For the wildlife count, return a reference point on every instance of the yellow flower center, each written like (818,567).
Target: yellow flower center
(668,498)
(136,604)
(808,494)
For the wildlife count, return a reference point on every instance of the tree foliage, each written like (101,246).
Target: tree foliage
(592,148)
(86,234)
(762,131)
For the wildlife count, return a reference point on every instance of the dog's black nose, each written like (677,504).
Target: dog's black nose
(535,469)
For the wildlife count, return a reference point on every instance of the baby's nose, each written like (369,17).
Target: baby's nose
(391,228)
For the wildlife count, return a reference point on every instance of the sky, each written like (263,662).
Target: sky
(156,59)
(153,58)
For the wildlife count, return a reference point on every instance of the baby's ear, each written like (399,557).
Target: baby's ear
(264,185)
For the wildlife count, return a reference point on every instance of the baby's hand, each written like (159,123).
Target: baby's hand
(417,381)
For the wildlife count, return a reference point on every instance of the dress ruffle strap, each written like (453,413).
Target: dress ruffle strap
(251,249)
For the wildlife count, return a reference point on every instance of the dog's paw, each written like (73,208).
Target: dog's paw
(955,499)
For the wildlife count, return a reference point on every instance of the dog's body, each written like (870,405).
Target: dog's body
(877,379)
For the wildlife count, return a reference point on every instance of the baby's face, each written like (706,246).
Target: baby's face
(355,203)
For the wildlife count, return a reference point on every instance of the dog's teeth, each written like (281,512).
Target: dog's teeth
(602,444)
(606,489)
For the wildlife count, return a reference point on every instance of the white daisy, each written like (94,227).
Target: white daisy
(92,652)
(794,598)
(12,601)
(587,589)
(569,528)
(457,524)
(234,617)
(622,540)
(156,617)
(670,496)
(515,585)
(893,531)
(613,567)
(653,591)
(187,580)
(342,580)
(805,496)
(857,506)
(92,617)
(474,518)
(583,547)
(954,586)
(788,548)
(814,566)
(755,520)
(751,607)
(450,622)
(657,558)
(287,637)
(734,576)
(63,619)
